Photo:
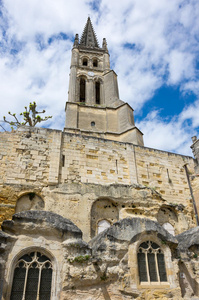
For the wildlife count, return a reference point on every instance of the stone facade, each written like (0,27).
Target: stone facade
(91,200)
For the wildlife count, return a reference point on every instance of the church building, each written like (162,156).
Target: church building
(89,212)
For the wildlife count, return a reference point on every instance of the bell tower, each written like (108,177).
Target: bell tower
(89,63)
(93,106)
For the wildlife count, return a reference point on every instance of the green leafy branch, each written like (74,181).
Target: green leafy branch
(30,117)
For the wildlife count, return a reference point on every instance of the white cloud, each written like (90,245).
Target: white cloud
(170,136)
(164,34)
(191,113)
(28,18)
(180,66)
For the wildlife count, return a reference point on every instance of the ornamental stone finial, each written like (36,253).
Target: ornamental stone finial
(76,41)
(104,44)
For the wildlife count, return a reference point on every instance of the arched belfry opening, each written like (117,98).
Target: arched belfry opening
(95,63)
(97,92)
(82,94)
(85,62)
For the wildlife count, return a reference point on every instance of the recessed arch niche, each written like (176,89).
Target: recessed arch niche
(29,201)
(167,215)
(103,210)
(95,62)
(85,61)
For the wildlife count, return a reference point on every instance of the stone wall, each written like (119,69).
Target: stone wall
(195,185)
(106,267)
(70,172)
(88,180)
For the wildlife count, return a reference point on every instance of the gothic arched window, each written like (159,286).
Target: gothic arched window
(97,92)
(151,263)
(82,90)
(32,277)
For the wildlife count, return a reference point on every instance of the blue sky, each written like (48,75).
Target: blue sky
(154,50)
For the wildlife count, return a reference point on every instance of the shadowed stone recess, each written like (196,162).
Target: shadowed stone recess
(129,230)
(45,219)
(188,238)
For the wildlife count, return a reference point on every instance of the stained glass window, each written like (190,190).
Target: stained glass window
(151,265)
(32,277)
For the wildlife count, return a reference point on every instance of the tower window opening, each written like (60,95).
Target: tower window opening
(85,62)
(97,92)
(82,90)
(95,63)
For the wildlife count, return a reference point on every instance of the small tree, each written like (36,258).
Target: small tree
(30,117)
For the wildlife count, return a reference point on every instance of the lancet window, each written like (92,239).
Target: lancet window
(151,264)
(82,90)
(32,277)
(97,92)
(95,63)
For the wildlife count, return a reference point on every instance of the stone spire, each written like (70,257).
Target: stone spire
(88,38)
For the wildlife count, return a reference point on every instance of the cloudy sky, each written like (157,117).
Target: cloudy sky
(154,48)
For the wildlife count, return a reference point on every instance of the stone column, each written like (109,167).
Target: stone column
(89,92)
(195,150)
(73,76)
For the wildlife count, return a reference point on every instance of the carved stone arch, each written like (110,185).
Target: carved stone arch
(103,209)
(24,252)
(98,78)
(82,76)
(149,236)
(29,201)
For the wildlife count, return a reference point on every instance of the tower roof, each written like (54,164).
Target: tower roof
(88,38)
